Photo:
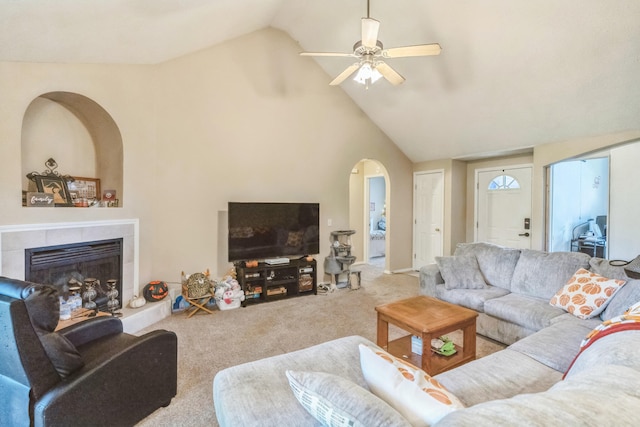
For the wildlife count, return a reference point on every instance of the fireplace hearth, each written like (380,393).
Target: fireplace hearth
(64,266)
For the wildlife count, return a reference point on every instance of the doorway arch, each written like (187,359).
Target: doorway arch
(369,195)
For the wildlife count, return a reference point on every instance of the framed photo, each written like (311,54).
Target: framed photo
(85,188)
(55,186)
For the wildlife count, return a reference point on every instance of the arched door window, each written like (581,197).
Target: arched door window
(504,182)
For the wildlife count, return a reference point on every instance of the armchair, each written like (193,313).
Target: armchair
(91,373)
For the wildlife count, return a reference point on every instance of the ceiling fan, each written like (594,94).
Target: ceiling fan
(370,52)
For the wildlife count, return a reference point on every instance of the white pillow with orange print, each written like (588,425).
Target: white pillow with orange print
(586,294)
(417,396)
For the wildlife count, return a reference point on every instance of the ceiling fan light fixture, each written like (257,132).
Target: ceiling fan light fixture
(367,75)
(369,51)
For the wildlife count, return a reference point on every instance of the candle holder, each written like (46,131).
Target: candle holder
(89,293)
(112,294)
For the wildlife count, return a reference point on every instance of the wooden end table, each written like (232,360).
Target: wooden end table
(79,315)
(427,318)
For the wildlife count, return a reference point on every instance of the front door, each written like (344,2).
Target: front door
(504,207)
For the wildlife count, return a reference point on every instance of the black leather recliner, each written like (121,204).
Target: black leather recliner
(89,374)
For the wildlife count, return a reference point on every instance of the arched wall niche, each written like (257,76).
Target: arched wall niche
(78,133)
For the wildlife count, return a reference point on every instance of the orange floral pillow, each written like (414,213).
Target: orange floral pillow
(421,399)
(586,294)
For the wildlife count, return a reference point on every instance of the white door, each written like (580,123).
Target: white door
(503,210)
(427,217)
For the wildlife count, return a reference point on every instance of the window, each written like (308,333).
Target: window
(504,182)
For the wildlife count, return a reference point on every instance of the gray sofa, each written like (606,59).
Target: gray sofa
(513,290)
(520,385)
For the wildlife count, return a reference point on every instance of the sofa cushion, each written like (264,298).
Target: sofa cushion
(595,398)
(586,294)
(566,317)
(554,346)
(614,341)
(622,300)
(532,313)
(604,268)
(460,272)
(470,298)
(540,274)
(499,375)
(335,401)
(497,263)
(411,391)
(248,392)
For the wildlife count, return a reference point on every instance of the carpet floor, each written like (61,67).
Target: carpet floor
(209,343)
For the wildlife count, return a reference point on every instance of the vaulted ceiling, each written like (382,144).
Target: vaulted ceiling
(512,73)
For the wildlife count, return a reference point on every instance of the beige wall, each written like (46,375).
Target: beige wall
(246,120)
(623,209)
(255,121)
(124,92)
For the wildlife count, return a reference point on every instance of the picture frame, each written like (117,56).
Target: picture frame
(85,188)
(55,185)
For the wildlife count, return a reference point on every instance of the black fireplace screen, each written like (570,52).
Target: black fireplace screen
(64,266)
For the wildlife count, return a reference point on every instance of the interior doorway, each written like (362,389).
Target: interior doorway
(369,213)
(376,207)
(578,202)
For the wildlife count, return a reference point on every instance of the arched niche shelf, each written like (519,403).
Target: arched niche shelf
(79,134)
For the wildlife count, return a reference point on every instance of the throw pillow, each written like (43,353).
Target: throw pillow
(461,272)
(497,263)
(586,294)
(421,399)
(335,401)
(540,274)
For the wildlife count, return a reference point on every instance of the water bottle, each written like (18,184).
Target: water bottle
(65,310)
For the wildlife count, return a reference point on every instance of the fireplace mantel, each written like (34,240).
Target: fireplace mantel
(14,239)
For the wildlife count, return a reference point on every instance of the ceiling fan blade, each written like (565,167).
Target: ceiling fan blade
(418,50)
(370,29)
(325,54)
(344,75)
(389,73)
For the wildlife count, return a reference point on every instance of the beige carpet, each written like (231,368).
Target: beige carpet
(209,343)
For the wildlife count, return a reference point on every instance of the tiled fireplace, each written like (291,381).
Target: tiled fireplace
(16,239)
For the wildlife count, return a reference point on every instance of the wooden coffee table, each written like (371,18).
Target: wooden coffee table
(427,318)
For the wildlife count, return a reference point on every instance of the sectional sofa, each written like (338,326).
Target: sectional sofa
(570,360)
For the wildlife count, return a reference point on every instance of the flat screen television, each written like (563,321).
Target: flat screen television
(262,230)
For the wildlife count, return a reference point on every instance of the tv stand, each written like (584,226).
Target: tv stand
(270,282)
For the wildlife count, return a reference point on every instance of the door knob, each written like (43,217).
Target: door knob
(524,234)
(437,229)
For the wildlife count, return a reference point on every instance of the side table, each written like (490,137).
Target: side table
(427,318)
(79,315)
